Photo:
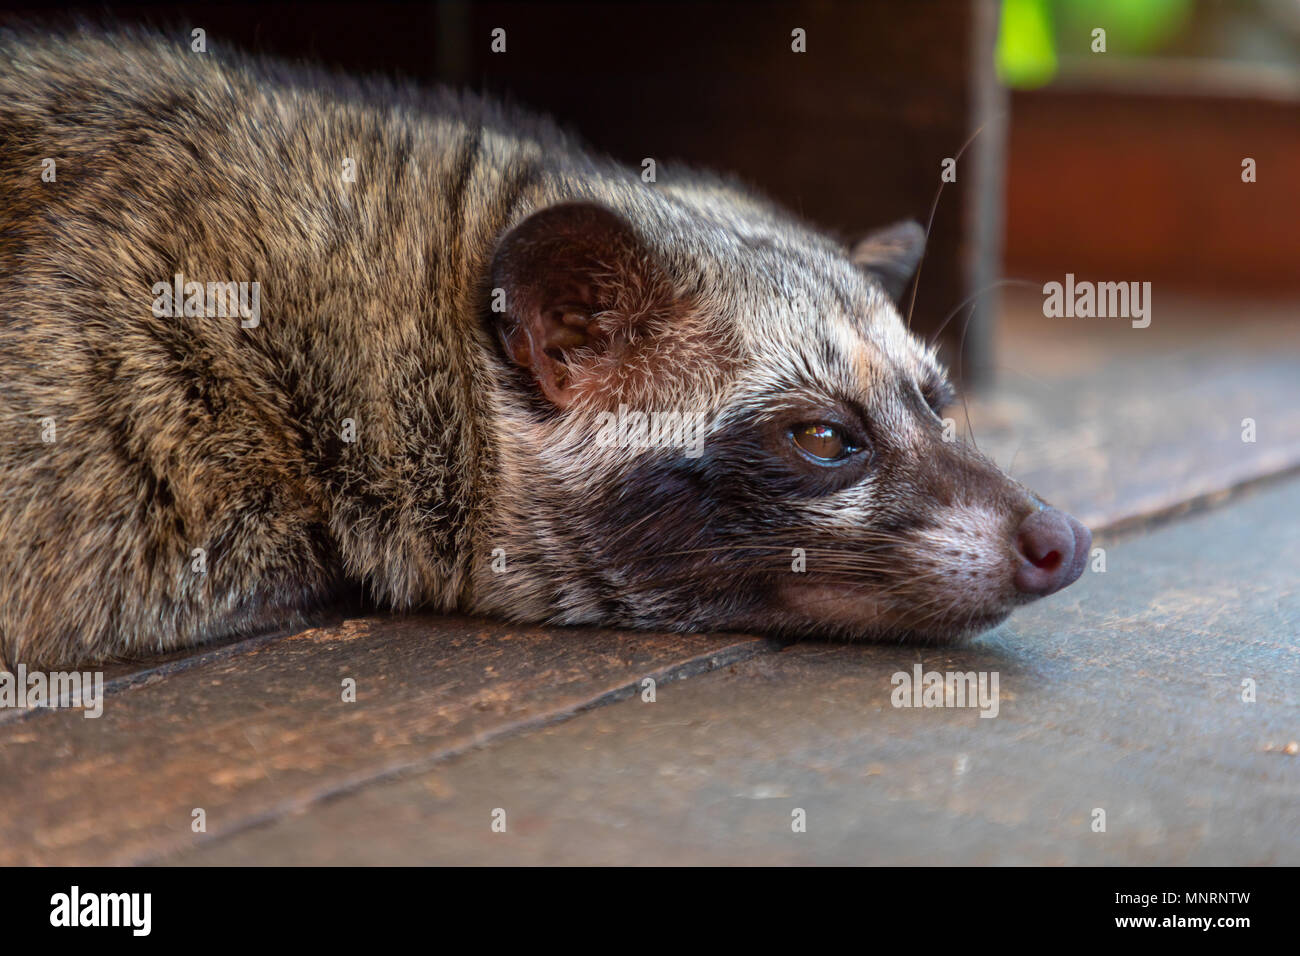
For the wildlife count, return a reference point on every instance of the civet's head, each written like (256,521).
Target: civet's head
(713,418)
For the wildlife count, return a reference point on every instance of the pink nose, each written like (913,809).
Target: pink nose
(1054,546)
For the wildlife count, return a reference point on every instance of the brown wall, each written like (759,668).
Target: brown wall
(1147,186)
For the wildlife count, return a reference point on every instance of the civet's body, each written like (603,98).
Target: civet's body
(437,331)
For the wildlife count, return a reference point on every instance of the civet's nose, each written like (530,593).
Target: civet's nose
(1054,546)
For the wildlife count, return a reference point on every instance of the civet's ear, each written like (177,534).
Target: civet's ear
(891,255)
(578,288)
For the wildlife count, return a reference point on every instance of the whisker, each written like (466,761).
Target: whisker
(929,224)
(934,336)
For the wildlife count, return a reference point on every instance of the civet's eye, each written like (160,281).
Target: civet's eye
(823,443)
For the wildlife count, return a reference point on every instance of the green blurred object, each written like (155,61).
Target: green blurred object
(1032,32)
(1026,52)
(1132,26)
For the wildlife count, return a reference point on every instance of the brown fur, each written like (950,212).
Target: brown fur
(474,428)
